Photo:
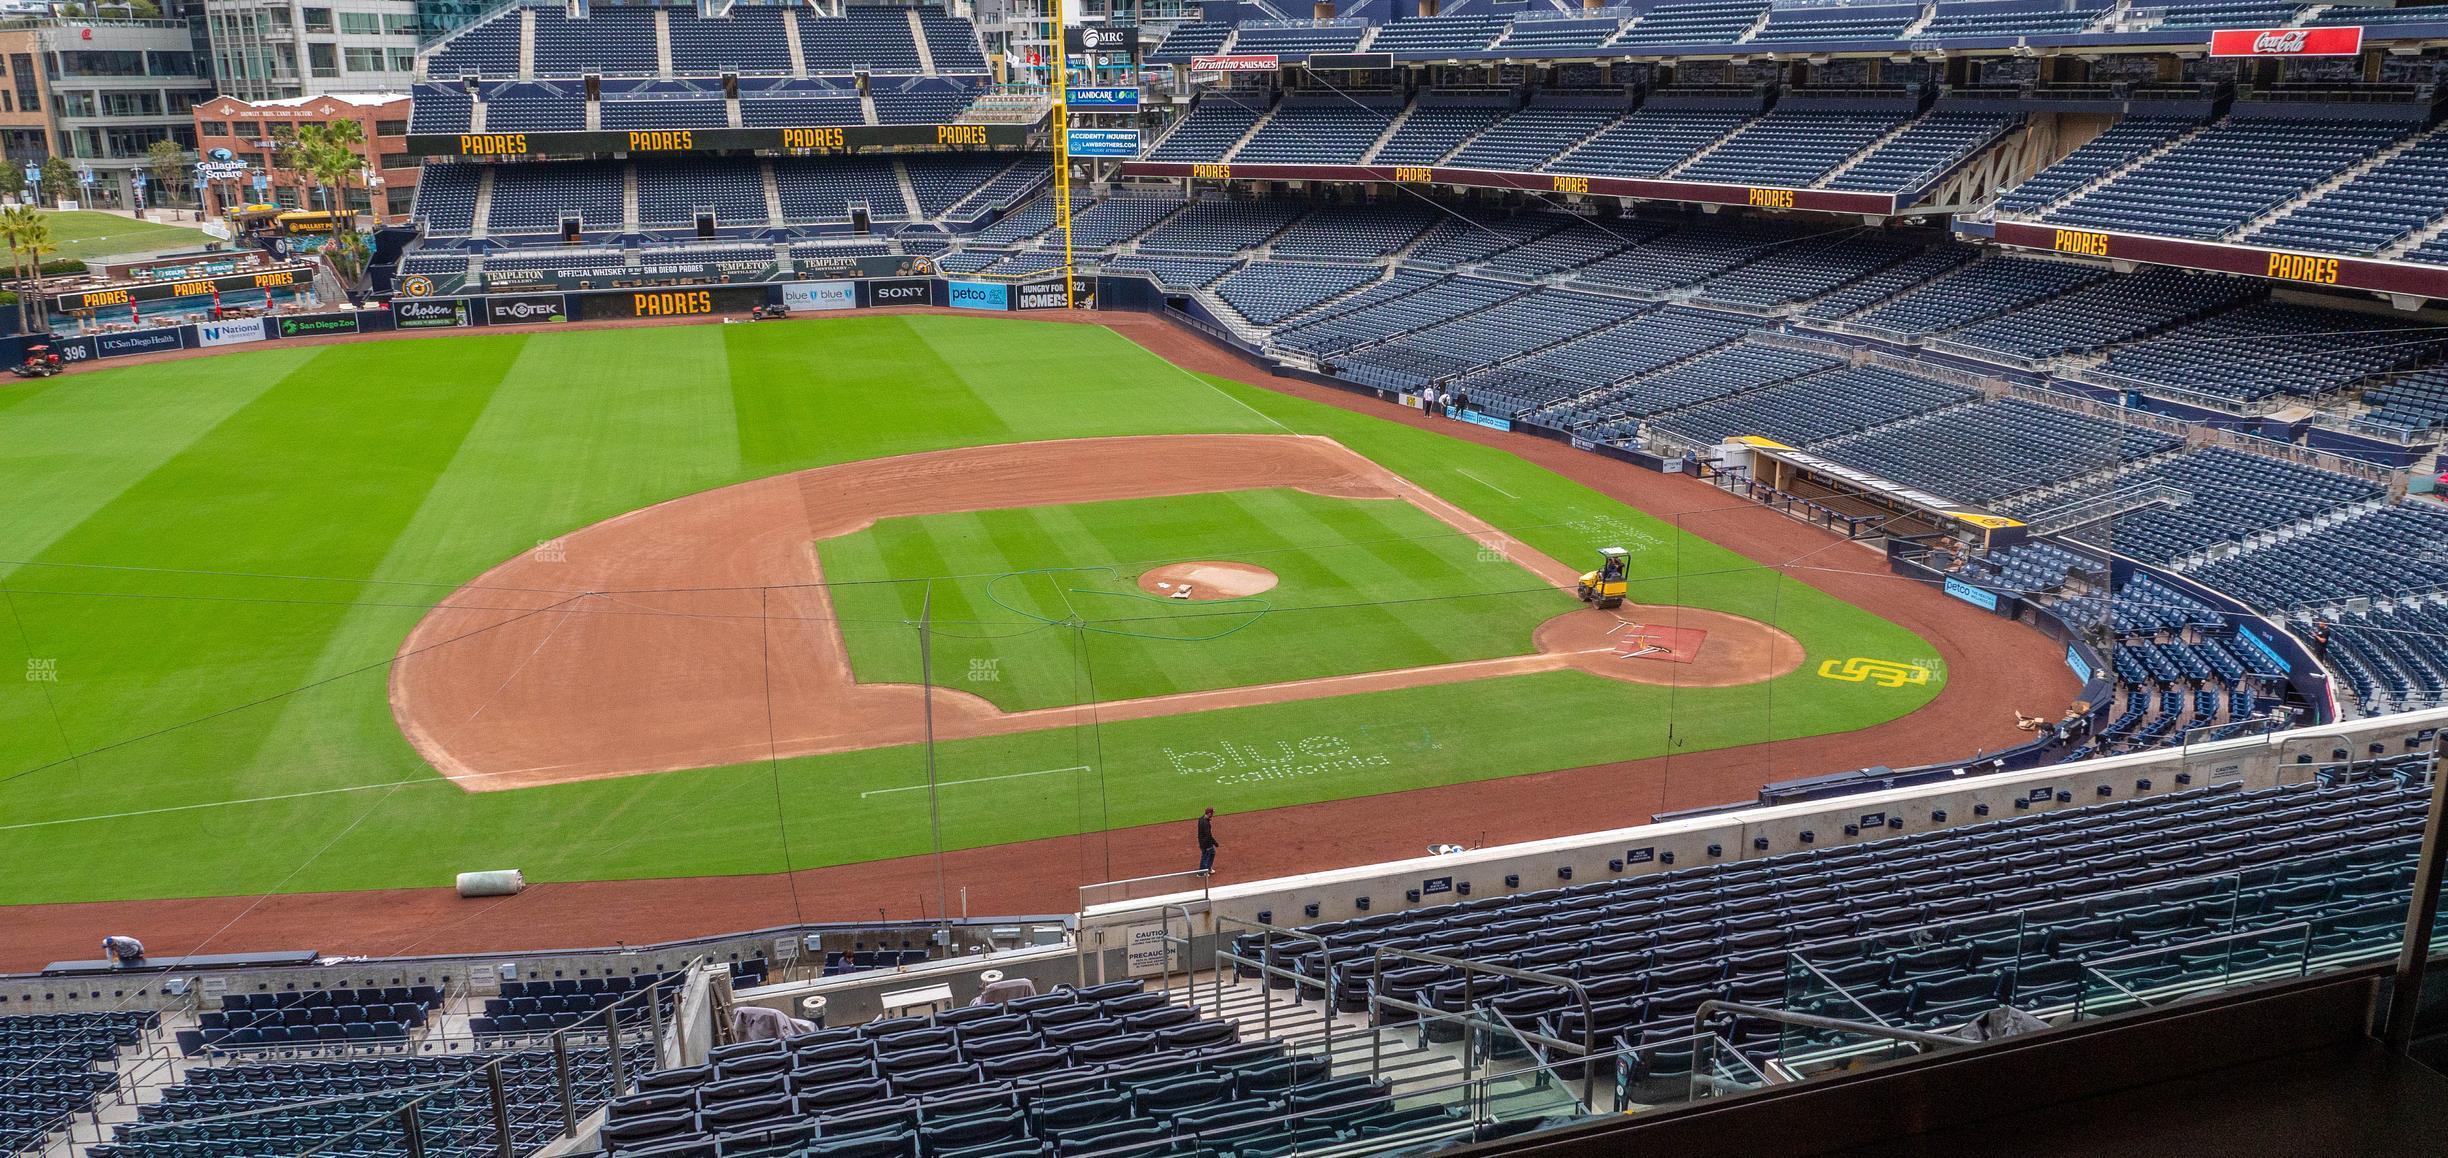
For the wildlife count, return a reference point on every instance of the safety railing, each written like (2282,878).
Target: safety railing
(1472,971)
(1230,962)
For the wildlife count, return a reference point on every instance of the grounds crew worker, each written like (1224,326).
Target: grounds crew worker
(1206,841)
(122,951)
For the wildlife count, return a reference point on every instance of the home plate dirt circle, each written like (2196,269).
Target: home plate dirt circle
(1207,579)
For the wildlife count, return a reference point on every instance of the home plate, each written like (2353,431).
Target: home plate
(1653,641)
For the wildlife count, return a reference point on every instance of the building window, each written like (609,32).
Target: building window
(143,103)
(322,60)
(400,23)
(363,59)
(390,128)
(317,19)
(397,161)
(213,128)
(21,66)
(73,104)
(403,60)
(361,24)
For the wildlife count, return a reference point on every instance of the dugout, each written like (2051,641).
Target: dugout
(1858,504)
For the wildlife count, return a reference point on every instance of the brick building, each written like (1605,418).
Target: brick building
(250,131)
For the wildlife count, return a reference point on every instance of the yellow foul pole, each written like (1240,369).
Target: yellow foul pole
(1062,144)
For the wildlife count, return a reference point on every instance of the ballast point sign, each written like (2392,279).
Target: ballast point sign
(2286,41)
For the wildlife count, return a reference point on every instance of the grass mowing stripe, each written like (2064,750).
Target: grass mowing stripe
(620,418)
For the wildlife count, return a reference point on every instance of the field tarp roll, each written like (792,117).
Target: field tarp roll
(492,883)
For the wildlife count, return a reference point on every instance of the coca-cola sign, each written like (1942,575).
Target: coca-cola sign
(2286,42)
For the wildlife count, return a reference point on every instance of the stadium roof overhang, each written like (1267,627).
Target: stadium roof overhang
(2408,284)
(808,139)
(1780,466)
(1701,192)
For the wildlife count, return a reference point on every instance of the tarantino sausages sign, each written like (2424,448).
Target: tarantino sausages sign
(812,138)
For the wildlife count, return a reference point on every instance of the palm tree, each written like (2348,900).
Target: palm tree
(328,152)
(14,222)
(28,236)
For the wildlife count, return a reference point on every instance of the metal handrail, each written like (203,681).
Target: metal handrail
(1589,1019)
(1265,969)
(1700,1018)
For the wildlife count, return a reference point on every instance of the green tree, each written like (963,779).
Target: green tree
(329,154)
(58,177)
(170,166)
(27,233)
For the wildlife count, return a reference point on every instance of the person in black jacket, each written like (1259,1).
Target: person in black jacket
(1206,841)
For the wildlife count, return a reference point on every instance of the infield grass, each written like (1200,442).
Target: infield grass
(209,564)
(1363,585)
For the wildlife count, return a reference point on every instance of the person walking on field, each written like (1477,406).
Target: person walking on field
(1206,841)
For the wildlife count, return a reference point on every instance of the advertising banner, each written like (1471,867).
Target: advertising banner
(315,325)
(1048,295)
(234,333)
(977,295)
(2286,42)
(2077,664)
(899,292)
(671,303)
(431,314)
(136,342)
(270,279)
(1105,97)
(1487,420)
(1980,597)
(820,295)
(525,309)
(1099,46)
(1102,142)
(813,138)
(1233,64)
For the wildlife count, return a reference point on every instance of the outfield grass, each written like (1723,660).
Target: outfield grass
(84,234)
(219,556)
(1362,586)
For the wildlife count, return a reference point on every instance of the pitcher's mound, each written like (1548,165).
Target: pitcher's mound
(1207,580)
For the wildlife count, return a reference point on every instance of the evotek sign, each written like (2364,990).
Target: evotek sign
(525,309)
(2286,42)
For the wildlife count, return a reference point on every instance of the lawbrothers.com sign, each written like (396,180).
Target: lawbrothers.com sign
(820,295)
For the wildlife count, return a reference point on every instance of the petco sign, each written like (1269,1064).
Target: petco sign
(2286,42)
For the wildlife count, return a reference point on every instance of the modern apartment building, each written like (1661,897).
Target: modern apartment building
(99,93)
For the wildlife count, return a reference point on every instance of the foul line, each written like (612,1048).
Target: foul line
(1485,483)
(975,780)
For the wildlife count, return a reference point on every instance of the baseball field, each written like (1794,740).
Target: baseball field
(615,604)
